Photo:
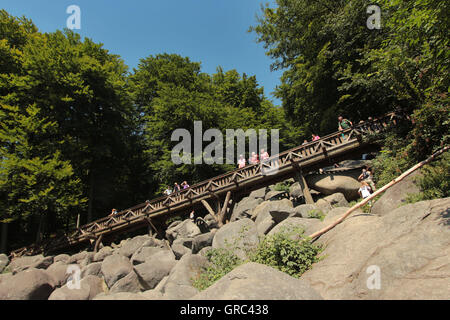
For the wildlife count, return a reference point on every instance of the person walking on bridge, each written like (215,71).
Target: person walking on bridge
(264,155)
(241,161)
(344,124)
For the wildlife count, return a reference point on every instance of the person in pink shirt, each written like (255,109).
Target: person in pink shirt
(315,137)
(254,158)
(264,155)
(241,161)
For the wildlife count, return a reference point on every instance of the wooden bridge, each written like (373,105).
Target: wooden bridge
(222,189)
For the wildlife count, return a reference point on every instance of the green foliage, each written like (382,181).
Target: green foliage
(316,214)
(434,182)
(282,186)
(287,251)
(221,261)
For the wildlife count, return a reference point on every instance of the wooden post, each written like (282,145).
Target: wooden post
(97,243)
(304,186)
(154,228)
(208,207)
(224,209)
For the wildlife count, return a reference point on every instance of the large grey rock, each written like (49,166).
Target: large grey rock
(295,191)
(202,240)
(129,283)
(396,196)
(244,208)
(102,254)
(254,281)
(114,268)
(61,258)
(31,284)
(336,200)
(120,296)
(152,295)
(263,210)
(258,194)
(4,261)
(186,229)
(265,226)
(154,270)
(133,245)
(410,247)
(5,276)
(179,284)
(58,272)
(181,246)
(89,288)
(308,225)
(239,236)
(27,262)
(276,195)
(93,269)
(144,253)
(303,210)
(77,258)
(345,182)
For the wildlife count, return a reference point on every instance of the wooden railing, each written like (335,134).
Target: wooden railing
(299,156)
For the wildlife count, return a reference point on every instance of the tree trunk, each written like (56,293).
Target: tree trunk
(91,196)
(4,238)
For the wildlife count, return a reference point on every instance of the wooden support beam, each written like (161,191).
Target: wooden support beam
(224,209)
(97,243)
(158,232)
(304,186)
(210,210)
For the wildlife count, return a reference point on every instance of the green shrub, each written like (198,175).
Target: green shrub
(287,251)
(435,181)
(281,187)
(221,261)
(316,214)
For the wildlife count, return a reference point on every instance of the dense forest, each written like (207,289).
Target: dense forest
(80,133)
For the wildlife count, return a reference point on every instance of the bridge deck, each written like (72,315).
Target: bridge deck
(304,157)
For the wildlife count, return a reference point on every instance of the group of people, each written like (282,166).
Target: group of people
(176,188)
(367,185)
(254,158)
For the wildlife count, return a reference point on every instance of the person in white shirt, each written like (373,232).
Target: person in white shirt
(365,191)
(241,161)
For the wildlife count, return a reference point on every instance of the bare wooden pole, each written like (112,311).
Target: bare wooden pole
(97,243)
(379,191)
(208,207)
(224,208)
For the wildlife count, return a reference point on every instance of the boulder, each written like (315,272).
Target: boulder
(308,225)
(4,261)
(265,226)
(276,195)
(58,272)
(239,236)
(295,191)
(102,254)
(258,194)
(263,210)
(204,251)
(144,253)
(120,296)
(179,284)
(244,208)
(151,295)
(114,268)
(31,284)
(336,200)
(210,221)
(129,283)
(323,205)
(90,287)
(27,262)
(93,269)
(202,240)
(402,255)
(5,276)
(186,229)
(61,258)
(345,182)
(133,245)
(303,210)
(250,282)
(181,246)
(160,286)
(77,258)
(154,270)
(396,196)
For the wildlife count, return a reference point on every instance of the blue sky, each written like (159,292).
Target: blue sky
(213,32)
